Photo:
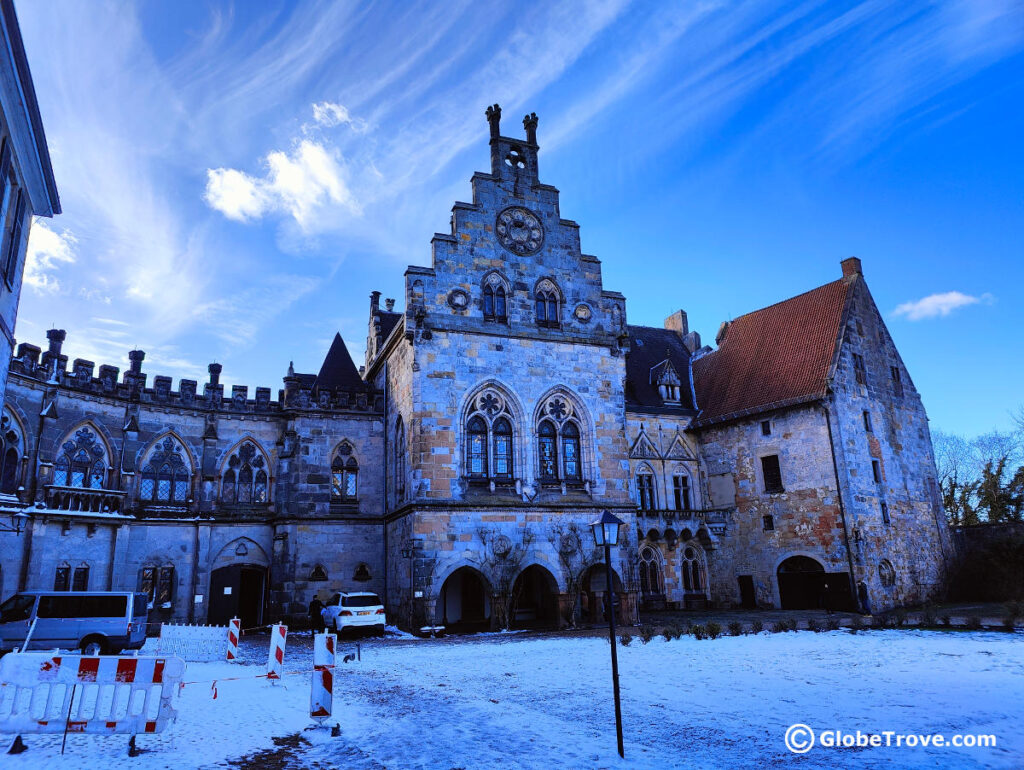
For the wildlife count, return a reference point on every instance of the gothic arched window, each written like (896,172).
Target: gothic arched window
(651,576)
(400,450)
(489,437)
(495,303)
(165,476)
(547,450)
(344,474)
(681,490)
(693,569)
(645,489)
(476,449)
(10,456)
(546,298)
(245,480)
(559,449)
(81,462)
(502,430)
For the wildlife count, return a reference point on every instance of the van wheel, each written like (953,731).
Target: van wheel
(94,645)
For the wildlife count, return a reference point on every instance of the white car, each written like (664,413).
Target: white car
(360,610)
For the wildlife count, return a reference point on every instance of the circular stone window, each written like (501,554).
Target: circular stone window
(519,230)
(458,299)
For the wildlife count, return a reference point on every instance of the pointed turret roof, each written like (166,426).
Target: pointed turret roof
(338,371)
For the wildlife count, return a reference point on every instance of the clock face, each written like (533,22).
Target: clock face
(519,230)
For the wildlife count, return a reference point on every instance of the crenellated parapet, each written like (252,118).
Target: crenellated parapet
(301,392)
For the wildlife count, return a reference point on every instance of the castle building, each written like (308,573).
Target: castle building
(501,411)
(27,187)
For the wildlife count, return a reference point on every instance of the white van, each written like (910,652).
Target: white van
(96,622)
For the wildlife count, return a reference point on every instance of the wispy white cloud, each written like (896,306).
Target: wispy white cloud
(301,183)
(939,305)
(48,252)
(330,115)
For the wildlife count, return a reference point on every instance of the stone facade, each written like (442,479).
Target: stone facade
(456,474)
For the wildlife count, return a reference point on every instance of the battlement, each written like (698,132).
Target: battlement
(300,391)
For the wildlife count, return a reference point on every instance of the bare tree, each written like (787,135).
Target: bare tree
(574,560)
(500,561)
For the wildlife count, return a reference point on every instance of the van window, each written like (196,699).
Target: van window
(82,606)
(368,600)
(18,607)
(141,608)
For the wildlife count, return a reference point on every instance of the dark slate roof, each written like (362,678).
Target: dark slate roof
(650,347)
(777,356)
(388,321)
(338,370)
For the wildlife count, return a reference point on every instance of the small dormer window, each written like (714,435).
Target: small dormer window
(667,380)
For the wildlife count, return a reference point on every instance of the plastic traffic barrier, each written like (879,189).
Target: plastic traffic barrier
(41,692)
(321,695)
(278,638)
(234,631)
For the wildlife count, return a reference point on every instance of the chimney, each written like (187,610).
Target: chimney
(389,304)
(136,357)
(677,323)
(374,301)
(530,124)
(494,119)
(692,341)
(851,268)
(722,331)
(214,370)
(56,338)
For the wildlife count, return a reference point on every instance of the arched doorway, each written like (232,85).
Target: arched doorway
(465,602)
(535,599)
(801,583)
(593,601)
(238,591)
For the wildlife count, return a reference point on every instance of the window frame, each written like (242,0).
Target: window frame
(860,371)
(776,475)
(681,492)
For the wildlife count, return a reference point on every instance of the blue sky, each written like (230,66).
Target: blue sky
(236,178)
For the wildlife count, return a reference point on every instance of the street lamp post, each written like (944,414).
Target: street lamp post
(606,534)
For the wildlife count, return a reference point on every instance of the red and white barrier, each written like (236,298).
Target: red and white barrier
(234,631)
(45,693)
(321,696)
(275,663)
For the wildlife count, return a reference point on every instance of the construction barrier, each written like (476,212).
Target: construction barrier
(321,696)
(275,663)
(199,644)
(234,631)
(45,693)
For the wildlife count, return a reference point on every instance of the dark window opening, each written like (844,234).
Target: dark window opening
(80,581)
(860,372)
(772,474)
(766,428)
(645,490)
(876,471)
(768,522)
(885,513)
(362,574)
(571,452)
(495,303)
(502,434)
(546,304)
(62,579)
(547,450)
(681,491)
(897,383)
(867,422)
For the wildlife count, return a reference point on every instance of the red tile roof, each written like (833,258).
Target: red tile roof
(772,357)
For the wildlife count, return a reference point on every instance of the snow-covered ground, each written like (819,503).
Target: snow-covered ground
(514,701)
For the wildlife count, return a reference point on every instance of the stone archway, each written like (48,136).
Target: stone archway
(534,599)
(801,583)
(464,604)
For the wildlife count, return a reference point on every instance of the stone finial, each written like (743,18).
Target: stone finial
(214,370)
(851,267)
(56,338)
(530,124)
(291,369)
(136,357)
(374,301)
(389,304)
(494,119)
